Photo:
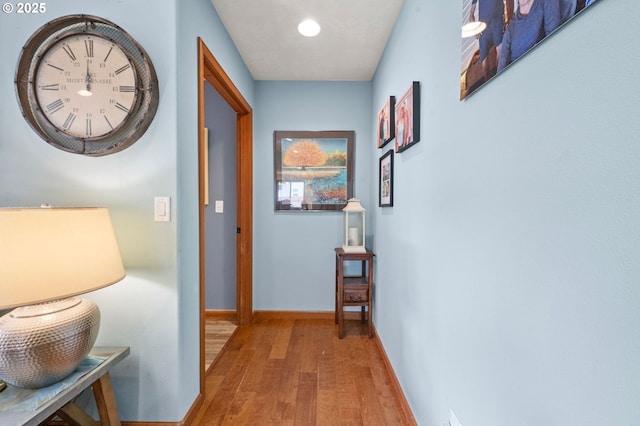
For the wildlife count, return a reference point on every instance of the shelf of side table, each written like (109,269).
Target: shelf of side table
(354,290)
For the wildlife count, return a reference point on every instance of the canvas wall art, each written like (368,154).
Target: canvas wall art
(385,180)
(407,115)
(314,170)
(386,122)
(496,33)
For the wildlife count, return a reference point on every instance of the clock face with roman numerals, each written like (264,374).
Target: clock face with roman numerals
(86,86)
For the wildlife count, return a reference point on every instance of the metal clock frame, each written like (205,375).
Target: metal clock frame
(140,115)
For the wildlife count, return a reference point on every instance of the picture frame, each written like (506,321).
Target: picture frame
(407,118)
(385,180)
(490,44)
(386,122)
(313,170)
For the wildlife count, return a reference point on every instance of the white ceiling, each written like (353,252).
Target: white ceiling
(354,34)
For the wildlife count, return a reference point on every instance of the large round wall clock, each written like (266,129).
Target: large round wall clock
(86,86)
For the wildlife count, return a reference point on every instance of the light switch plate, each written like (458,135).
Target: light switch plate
(162,209)
(219,206)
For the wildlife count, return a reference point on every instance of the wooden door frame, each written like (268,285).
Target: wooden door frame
(210,71)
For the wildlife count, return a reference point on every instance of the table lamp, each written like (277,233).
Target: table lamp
(47,256)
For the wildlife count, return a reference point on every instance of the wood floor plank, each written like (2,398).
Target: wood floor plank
(306,399)
(278,408)
(253,380)
(298,372)
(327,408)
(312,344)
(217,334)
(327,369)
(369,404)
(222,400)
(281,341)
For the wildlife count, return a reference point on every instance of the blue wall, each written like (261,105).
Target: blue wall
(508,269)
(506,273)
(293,251)
(195,19)
(33,172)
(155,309)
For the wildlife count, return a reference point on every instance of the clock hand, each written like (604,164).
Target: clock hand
(87,80)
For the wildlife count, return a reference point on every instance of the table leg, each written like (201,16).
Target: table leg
(72,414)
(370,314)
(340,295)
(336,292)
(106,401)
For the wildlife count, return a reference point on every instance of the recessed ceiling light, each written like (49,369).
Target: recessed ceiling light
(309,28)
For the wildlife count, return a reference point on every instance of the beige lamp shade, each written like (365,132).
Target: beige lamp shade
(48,255)
(52,253)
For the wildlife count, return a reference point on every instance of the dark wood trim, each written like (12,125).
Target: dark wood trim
(244,248)
(293,315)
(213,73)
(395,384)
(221,314)
(201,216)
(210,71)
(290,315)
(191,414)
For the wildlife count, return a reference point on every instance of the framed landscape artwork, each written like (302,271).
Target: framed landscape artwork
(313,170)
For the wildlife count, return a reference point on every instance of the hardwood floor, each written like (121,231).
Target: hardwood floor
(217,333)
(297,372)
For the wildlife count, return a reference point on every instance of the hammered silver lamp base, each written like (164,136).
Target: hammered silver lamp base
(42,344)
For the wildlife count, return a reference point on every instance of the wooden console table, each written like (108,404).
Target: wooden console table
(61,404)
(354,290)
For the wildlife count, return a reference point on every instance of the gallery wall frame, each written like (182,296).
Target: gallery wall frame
(407,118)
(386,122)
(313,170)
(385,180)
(515,32)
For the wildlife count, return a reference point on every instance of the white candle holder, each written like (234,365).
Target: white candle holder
(354,227)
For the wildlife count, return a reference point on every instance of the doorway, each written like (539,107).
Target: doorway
(220,208)
(210,71)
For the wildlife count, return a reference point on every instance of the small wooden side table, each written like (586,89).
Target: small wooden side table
(62,403)
(354,290)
